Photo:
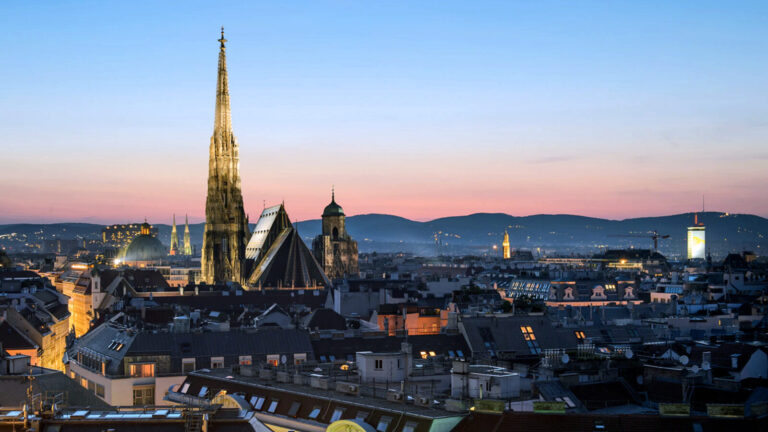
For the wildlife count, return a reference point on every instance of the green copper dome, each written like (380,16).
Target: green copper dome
(333,209)
(144,247)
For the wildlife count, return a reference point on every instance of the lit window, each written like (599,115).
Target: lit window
(144,395)
(580,335)
(432,354)
(423,354)
(273,359)
(142,369)
(217,362)
(530,339)
(245,360)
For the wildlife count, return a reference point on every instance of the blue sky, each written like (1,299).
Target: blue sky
(421,109)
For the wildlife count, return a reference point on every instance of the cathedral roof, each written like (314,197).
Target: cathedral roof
(276,255)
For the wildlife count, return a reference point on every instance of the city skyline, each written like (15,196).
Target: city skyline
(417,113)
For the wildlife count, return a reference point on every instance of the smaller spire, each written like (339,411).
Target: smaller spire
(222,40)
(333,193)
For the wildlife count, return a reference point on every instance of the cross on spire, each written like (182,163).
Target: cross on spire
(222,40)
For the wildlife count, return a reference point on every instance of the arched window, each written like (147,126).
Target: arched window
(335,233)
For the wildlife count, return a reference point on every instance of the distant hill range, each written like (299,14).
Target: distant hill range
(477,233)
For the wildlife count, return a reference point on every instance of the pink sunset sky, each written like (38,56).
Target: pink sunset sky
(420,112)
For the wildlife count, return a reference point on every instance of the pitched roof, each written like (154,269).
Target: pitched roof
(492,336)
(13,339)
(441,344)
(325,319)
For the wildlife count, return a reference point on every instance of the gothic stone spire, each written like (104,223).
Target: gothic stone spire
(226,231)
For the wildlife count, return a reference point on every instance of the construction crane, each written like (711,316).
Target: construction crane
(653,235)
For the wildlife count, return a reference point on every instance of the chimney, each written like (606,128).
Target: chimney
(735,361)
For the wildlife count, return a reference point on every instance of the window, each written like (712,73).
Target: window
(294,409)
(203,391)
(530,339)
(399,363)
(273,359)
(144,395)
(580,335)
(100,390)
(273,405)
(257,402)
(315,412)
(378,364)
(383,423)
(337,414)
(187,365)
(217,362)
(432,354)
(184,388)
(423,354)
(245,360)
(142,369)
(361,415)
(460,353)
(410,426)
(299,358)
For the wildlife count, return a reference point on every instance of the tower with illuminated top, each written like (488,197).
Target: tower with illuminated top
(174,239)
(226,227)
(187,242)
(505,246)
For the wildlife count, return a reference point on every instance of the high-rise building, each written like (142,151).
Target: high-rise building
(174,238)
(505,246)
(226,226)
(697,240)
(334,249)
(187,242)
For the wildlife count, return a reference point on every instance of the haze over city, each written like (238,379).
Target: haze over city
(419,110)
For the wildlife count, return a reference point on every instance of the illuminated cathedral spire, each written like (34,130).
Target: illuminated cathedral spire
(226,229)
(187,243)
(174,238)
(505,246)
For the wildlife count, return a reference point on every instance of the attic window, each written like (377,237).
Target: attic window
(580,335)
(383,423)
(337,414)
(273,405)
(361,415)
(257,402)
(410,426)
(315,412)
(294,409)
(530,339)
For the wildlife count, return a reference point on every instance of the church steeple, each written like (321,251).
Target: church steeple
(174,238)
(226,231)
(223,119)
(187,243)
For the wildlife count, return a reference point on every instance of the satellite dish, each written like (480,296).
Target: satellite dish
(283,359)
(683,360)
(628,353)
(695,369)
(705,365)
(565,358)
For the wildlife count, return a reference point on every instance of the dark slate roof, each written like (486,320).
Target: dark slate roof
(325,319)
(98,343)
(17,274)
(492,336)
(532,422)
(15,390)
(145,280)
(441,344)
(227,344)
(287,263)
(599,395)
(13,339)
(221,300)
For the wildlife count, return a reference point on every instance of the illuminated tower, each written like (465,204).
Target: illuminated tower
(174,238)
(187,243)
(226,227)
(697,239)
(505,245)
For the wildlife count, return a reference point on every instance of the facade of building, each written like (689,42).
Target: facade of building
(226,226)
(334,248)
(120,235)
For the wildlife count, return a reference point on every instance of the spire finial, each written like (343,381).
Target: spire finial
(333,193)
(222,40)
